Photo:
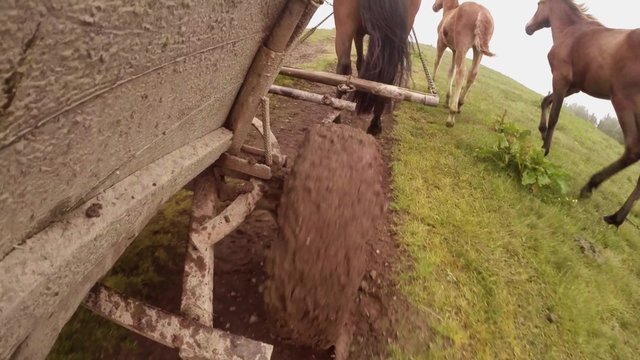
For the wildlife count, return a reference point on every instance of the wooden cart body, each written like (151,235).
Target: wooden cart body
(107,109)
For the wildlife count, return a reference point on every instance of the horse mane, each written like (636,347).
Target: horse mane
(581,10)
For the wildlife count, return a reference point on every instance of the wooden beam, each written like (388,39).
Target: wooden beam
(331,117)
(197,285)
(264,70)
(214,230)
(194,340)
(235,163)
(389,91)
(327,100)
(278,159)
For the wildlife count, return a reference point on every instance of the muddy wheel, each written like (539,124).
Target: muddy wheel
(331,204)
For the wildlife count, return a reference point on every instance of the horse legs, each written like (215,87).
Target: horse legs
(359,40)
(456,87)
(631,131)
(473,74)
(343,50)
(440,51)
(620,216)
(452,70)
(375,128)
(544,112)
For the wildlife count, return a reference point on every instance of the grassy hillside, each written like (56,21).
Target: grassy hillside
(501,272)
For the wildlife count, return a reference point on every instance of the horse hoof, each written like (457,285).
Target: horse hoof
(585,193)
(613,220)
(450,124)
(374,130)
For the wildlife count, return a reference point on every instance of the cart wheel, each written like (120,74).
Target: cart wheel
(332,201)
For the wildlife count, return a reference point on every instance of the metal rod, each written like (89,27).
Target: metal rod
(389,91)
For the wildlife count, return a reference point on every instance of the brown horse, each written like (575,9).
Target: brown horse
(602,62)
(463,27)
(388,23)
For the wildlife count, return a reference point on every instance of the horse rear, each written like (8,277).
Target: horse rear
(388,23)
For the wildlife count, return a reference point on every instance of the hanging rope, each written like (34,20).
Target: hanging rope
(312,30)
(430,82)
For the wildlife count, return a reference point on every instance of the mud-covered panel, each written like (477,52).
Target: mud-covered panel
(94,90)
(55,53)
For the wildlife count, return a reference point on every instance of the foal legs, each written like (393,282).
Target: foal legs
(473,74)
(544,113)
(440,51)
(630,124)
(456,87)
(620,216)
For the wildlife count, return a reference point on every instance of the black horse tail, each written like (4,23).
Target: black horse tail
(387,58)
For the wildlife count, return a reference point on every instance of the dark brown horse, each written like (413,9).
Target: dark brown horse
(388,23)
(602,62)
(463,27)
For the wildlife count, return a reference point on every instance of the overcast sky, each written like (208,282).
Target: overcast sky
(519,56)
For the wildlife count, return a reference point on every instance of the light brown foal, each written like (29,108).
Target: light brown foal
(602,62)
(463,27)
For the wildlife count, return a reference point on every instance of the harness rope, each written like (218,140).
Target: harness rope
(312,30)
(430,82)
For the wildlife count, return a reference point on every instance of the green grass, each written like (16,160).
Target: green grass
(491,260)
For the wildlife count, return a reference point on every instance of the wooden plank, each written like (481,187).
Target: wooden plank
(327,100)
(195,341)
(389,91)
(44,281)
(265,67)
(210,232)
(101,89)
(197,284)
(243,166)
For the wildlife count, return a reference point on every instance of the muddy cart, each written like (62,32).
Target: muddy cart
(107,109)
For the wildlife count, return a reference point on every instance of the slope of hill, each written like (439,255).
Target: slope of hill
(501,272)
